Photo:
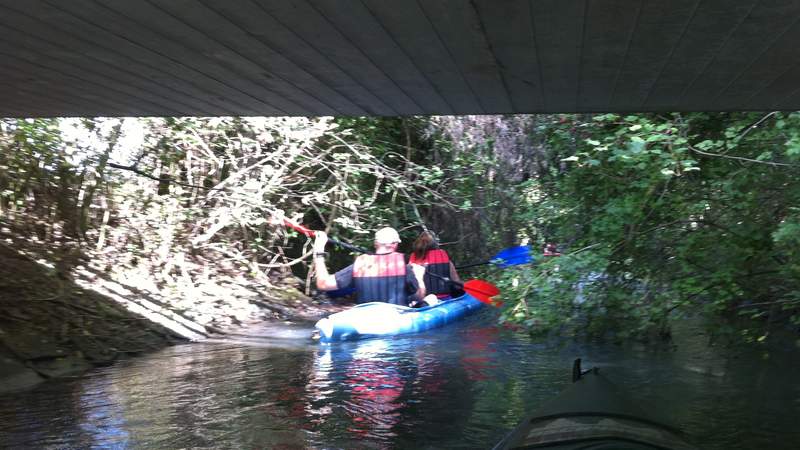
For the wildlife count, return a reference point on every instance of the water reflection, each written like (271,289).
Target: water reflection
(374,380)
(457,387)
(479,359)
(101,418)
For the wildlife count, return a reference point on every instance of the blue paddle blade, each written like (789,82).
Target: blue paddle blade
(513,256)
(509,257)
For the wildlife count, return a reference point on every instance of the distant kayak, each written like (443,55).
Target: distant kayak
(377,319)
(592,414)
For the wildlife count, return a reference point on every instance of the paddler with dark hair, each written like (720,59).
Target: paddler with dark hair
(441,278)
(380,277)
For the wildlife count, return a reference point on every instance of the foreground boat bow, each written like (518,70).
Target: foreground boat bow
(592,414)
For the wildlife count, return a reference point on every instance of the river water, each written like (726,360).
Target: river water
(462,386)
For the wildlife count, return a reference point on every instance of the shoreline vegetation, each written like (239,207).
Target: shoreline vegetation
(656,216)
(62,319)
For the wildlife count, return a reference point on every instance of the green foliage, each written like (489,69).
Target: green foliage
(695,210)
(656,214)
(191,190)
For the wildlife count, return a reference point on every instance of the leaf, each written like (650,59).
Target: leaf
(571,158)
(636,145)
(705,145)
(764,156)
(668,172)
(592,142)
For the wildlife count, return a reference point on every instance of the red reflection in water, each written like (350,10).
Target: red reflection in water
(479,361)
(295,408)
(375,382)
(376,386)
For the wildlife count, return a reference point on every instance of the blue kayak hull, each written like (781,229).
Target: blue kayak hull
(377,319)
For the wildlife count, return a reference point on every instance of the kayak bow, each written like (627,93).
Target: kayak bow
(593,414)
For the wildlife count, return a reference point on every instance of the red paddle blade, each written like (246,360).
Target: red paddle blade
(481,290)
(298,227)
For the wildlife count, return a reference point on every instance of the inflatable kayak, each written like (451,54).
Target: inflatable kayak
(592,414)
(376,319)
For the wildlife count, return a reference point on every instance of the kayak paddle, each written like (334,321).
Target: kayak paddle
(310,233)
(480,289)
(508,257)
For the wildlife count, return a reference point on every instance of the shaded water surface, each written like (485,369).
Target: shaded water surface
(462,386)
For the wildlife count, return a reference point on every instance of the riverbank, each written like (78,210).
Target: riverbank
(59,323)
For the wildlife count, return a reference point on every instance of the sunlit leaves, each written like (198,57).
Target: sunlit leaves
(676,196)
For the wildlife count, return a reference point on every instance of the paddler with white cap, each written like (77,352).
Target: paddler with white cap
(380,277)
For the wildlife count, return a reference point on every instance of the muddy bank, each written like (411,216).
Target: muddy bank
(57,324)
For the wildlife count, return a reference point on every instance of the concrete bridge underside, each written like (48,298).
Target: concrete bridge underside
(395,57)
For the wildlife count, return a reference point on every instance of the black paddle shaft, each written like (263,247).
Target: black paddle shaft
(348,246)
(444,278)
(473,265)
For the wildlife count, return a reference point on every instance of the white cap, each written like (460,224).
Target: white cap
(387,235)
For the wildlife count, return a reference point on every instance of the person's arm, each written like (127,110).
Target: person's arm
(325,280)
(454,274)
(419,274)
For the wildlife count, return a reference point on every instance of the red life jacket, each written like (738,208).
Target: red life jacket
(381,278)
(436,262)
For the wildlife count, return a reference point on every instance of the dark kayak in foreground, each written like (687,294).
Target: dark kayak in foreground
(592,414)
(377,319)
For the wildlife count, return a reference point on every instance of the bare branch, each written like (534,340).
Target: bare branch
(740,158)
(166,178)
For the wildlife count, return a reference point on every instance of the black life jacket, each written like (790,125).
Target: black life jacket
(380,278)
(436,262)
